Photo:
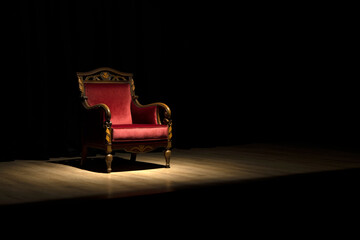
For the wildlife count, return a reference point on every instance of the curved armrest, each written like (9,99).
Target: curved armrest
(101,106)
(96,123)
(167,112)
(151,110)
(165,107)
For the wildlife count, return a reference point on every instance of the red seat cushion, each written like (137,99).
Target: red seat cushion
(139,132)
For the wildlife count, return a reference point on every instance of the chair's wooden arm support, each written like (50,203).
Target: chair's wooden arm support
(101,106)
(166,120)
(96,123)
(167,111)
(165,107)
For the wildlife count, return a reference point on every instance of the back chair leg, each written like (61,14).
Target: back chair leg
(133,157)
(83,155)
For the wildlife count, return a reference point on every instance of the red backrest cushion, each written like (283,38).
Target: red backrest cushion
(116,96)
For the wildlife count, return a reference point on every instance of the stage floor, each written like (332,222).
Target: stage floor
(61,179)
(271,189)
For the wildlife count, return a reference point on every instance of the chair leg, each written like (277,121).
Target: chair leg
(133,157)
(167,154)
(83,155)
(108,160)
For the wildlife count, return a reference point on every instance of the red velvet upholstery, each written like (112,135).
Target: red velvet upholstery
(116,96)
(129,122)
(139,132)
(144,115)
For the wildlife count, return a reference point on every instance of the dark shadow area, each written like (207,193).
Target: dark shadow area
(297,193)
(97,164)
(321,203)
(246,73)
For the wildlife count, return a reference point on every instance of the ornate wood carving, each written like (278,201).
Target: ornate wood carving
(105,77)
(81,85)
(108,136)
(140,148)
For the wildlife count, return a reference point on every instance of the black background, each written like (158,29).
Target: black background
(231,73)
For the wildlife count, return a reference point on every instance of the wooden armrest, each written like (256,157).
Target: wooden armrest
(167,111)
(164,106)
(101,106)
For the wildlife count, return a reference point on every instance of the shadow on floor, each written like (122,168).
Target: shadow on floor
(97,164)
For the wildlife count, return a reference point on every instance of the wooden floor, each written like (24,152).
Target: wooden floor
(252,185)
(24,181)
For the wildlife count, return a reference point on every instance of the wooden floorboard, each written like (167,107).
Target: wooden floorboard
(24,181)
(269,188)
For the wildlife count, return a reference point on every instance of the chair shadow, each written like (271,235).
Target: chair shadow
(97,164)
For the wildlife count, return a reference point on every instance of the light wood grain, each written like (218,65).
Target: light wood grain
(24,181)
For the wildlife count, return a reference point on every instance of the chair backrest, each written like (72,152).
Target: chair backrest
(111,87)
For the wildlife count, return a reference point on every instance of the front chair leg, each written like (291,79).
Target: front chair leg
(167,154)
(108,160)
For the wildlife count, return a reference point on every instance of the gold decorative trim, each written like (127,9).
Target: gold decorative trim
(105,77)
(81,85)
(108,135)
(169,130)
(105,74)
(141,149)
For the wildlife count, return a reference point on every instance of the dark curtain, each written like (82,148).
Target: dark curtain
(231,73)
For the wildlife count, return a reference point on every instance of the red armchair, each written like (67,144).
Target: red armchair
(114,119)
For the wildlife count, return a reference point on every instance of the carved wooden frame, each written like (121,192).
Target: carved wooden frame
(109,75)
